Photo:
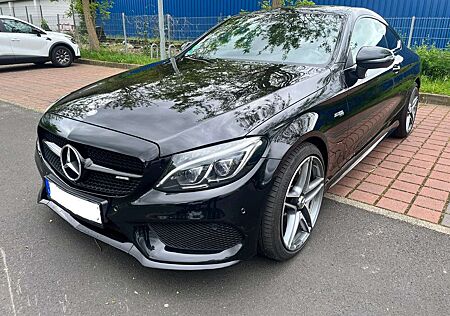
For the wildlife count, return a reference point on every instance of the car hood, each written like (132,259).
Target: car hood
(57,34)
(190,103)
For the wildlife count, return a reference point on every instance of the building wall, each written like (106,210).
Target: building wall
(54,13)
(21,7)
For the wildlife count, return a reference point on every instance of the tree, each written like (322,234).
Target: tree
(89,9)
(273,4)
(277,3)
(94,43)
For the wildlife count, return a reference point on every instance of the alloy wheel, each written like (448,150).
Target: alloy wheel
(412,110)
(302,203)
(62,57)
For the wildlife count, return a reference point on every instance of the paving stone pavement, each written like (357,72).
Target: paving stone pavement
(36,87)
(410,176)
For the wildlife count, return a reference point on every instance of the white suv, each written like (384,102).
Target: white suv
(22,42)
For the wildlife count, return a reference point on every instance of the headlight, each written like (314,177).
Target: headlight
(212,166)
(73,40)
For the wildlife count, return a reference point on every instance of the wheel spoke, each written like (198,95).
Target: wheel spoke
(307,175)
(408,122)
(294,192)
(292,206)
(292,223)
(306,223)
(315,183)
(311,195)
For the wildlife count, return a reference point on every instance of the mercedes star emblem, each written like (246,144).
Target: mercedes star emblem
(71,162)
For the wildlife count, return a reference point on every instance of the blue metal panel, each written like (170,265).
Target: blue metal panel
(202,8)
(398,8)
(200,15)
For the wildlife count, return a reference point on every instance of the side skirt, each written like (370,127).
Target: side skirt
(361,155)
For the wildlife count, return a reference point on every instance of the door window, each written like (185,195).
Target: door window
(367,32)
(392,39)
(13,26)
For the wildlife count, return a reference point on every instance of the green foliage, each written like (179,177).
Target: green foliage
(105,54)
(436,86)
(435,69)
(97,6)
(435,62)
(267,4)
(44,25)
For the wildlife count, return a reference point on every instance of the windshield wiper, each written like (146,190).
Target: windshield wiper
(198,58)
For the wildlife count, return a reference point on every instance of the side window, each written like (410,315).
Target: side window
(392,39)
(367,32)
(13,26)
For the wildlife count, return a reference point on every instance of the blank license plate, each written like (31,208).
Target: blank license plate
(85,209)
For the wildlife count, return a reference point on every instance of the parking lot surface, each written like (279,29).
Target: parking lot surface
(408,176)
(355,263)
(36,87)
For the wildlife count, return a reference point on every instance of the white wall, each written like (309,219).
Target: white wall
(50,10)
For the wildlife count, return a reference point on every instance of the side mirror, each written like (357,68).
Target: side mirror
(185,45)
(36,32)
(372,57)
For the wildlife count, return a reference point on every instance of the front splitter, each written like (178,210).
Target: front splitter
(128,247)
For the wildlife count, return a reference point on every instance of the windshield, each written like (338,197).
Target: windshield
(277,37)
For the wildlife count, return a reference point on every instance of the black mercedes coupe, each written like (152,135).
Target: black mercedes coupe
(224,151)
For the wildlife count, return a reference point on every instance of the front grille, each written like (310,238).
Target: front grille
(197,237)
(94,181)
(100,156)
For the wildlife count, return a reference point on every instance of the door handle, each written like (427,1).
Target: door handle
(15,40)
(396,69)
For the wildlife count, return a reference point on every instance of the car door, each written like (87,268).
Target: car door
(6,53)
(26,41)
(371,100)
(401,68)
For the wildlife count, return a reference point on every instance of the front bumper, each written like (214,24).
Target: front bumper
(128,247)
(238,204)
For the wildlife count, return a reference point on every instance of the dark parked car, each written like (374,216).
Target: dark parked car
(200,161)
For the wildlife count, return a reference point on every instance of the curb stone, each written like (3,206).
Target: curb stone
(438,99)
(106,63)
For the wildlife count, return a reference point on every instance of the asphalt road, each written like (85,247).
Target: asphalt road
(355,263)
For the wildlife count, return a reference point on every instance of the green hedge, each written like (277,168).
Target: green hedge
(435,69)
(435,62)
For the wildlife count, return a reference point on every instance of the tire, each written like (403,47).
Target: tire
(274,238)
(62,56)
(408,115)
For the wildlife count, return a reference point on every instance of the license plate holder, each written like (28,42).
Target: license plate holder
(78,206)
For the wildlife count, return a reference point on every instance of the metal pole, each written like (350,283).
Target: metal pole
(162,38)
(31,19)
(40,11)
(58,21)
(411,30)
(26,12)
(124,32)
(1,11)
(168,29)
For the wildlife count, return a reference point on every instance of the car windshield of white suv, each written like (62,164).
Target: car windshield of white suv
(278,37)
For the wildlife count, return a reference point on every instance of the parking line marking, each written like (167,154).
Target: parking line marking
(8,279)
(390,214)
